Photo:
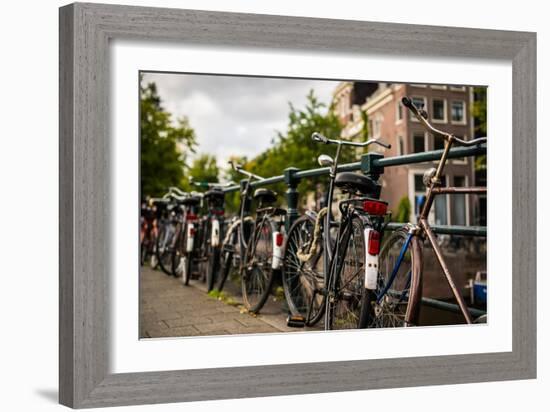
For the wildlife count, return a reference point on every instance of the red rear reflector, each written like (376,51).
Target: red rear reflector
(279,239)
(374,242)
(372,207)
(192,231)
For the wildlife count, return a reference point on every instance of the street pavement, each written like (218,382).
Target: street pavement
(169,309)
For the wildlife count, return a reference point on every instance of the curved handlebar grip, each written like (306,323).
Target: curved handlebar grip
(318,137)
(407,103)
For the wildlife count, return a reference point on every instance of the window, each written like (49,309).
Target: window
(458,203)
(438,110)
(376,126)
(419,143)
(419,85)
(439,143)
(458,111)
(458,88)
(439,86)
(440,205)
(419,194)
(419,102)
(398,112)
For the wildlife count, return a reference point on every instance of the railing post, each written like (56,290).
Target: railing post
(291,195)
(369,167)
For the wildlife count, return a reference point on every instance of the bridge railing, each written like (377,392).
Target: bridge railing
(373,165)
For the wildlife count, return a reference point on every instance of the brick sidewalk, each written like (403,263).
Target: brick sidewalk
(169,309)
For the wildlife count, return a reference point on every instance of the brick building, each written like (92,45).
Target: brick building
(375,110)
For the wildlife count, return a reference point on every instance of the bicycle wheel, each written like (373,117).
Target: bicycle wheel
(302,271)
(400,304)
(229,251)
(164,247)
(346,301)
(257,276)
(212,267)
(178,251)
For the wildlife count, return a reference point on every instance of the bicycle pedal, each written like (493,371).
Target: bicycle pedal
(295,321)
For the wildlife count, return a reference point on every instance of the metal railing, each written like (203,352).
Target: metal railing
(373,165)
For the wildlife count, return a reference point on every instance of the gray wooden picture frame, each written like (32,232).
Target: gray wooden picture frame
(85,32)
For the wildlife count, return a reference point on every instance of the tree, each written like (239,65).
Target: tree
(403,212)
(164,145)
(479,113)
(294,146)
(203,169)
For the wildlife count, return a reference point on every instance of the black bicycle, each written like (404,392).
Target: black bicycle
(330,267)
(252,247)
(211,231)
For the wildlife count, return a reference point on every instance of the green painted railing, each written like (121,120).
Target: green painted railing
(373,165)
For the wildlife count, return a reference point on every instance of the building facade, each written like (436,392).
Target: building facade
(374,110)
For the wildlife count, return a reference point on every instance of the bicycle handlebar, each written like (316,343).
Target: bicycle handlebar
(210,185)
(239,168)
(422,116)
(318,137)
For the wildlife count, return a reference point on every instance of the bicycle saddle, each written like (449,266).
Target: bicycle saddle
(356,183)
(264,195)
(190,201)
(214,193)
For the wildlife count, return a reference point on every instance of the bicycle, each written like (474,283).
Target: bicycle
(397,299)
(168,221)
(252,247)
(332,274)
(185,250)
(211,230)
(149,232)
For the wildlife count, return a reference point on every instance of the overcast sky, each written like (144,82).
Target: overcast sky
(235,115)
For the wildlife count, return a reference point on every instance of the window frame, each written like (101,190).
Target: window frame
(413,97)
(464,120)
(445,117)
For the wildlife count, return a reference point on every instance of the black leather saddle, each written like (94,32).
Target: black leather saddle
(265,196)
(356,183)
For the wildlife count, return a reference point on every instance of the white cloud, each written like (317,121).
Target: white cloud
(235,115)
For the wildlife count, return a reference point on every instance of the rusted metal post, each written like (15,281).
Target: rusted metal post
(291,195)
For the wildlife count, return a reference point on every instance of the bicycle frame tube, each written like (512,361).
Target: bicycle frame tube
(328,256)
(395,268)
(439,255)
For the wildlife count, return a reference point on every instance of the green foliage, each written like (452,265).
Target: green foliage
(479,112)
(164,145)
(203,169)
(295,148)
(403,212)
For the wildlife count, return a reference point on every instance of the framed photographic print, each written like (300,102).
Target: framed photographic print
(258,205)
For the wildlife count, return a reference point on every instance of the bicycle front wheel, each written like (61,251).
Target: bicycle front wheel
(257,276)
(229,253)
(302,272)
(165,243)
(399,289)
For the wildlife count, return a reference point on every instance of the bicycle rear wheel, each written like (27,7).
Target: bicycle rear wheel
(400,304)
(302,272)
(257,276)
(346,303)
